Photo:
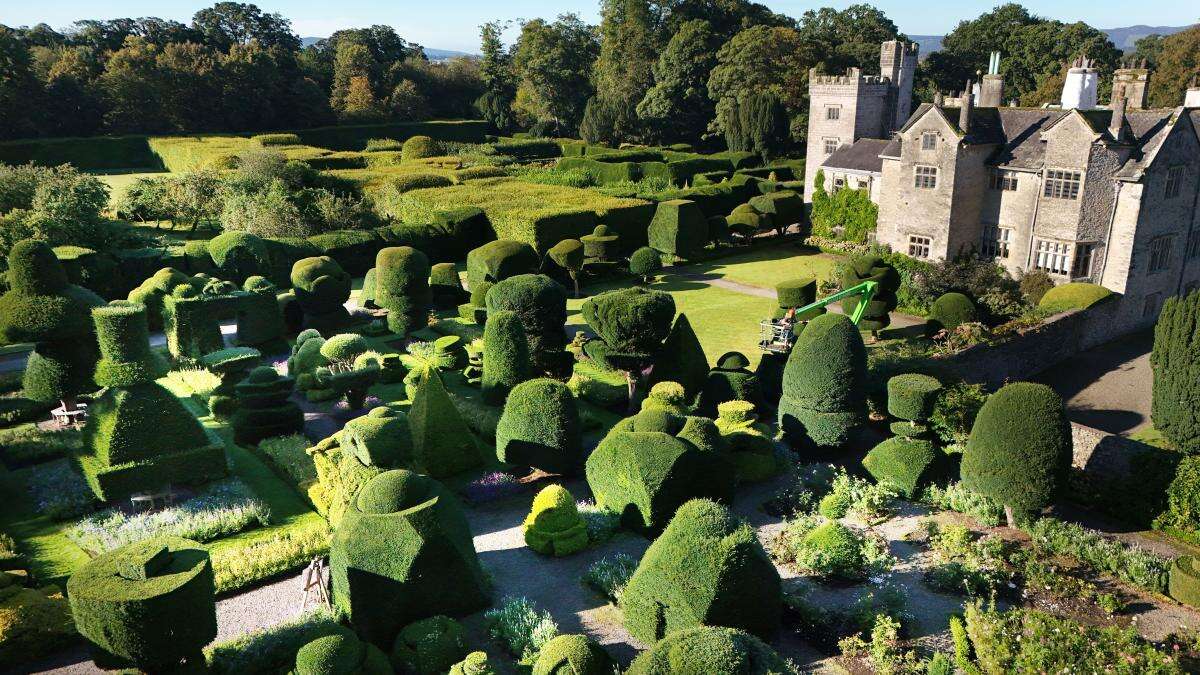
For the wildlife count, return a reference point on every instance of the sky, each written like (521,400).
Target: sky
(455,24)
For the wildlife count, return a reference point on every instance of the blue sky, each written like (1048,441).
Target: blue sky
(453,24)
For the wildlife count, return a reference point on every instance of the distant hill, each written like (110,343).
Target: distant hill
(1124,38)
(433,54)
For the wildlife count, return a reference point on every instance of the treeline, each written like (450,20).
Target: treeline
(233,68)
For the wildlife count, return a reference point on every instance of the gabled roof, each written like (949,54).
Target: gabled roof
(861,155)
(1148,129)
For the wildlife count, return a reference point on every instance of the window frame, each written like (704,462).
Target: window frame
(929,140)
(1174,183)
(1193,246)
(837,143)
(1065,184)
(996,239)
(833,113)
(1002,180)
(1084,251)
(1160,253)
(925,177)
(918,243)
(1052,256)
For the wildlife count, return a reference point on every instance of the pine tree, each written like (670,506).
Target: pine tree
(624,70)
(1175,407)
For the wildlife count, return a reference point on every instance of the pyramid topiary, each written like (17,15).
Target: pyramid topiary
(710,650)
(554,526)
(342,654)
(730,380)
(149,605)
(263,407)
(573,655)
(138,435)
(950,311)
(42,308)
(747,440)
(903,463)
(442,445)
(445,286)
(707,568)
(824,384)
(402,288)
(1019,450)
(259,319)
(506,360)
(681,359)
(540,428)
(541,305)
(872,268)
(429,647)
(403,551)
(322,288)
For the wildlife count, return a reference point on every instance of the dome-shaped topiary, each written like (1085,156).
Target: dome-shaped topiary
(905,464)
(429,647)
(824,384)
(838,545)
(712,650)
(379,438)
(1019,450)
(540,427)
(541,305)
(506,361)
(1071,296)
(402,288)
(707,568)
(476,663)
(554,526)
(150,604)
(667,396)
(322,288)
(573,655)
(951,310)
(342,654)
(420,147)
(644,263)
(239,255)
(344,347)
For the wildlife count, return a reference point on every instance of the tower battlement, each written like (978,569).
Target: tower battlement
(853,76)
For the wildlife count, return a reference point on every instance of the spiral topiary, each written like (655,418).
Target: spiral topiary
(540,428)
(573,655)
(877,315)
(554,526)
(402,288)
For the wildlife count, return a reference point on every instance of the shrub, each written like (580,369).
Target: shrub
(1072,296)
(952,310)
(872,268)
(1035,284)
(341,653)
(912,396)
(568,256)
(554,526)
(630,320)
(797,293)
(714,650)
(679,229)
(239,255)
(644,263)
(573,655)
(429,646)
(522,629)
(730,380)
(442,446)
(902,463)
(747,441)
(28,444)
(824,384)
(1130,563)
(540,304)
(609,575)
(707,568)
(264,409)
(476,663)
(402,278)
(273,649)
(495,261)
(149,604)
(1184,583)
(540,427)
(669,397)
(420,147)
(1175,406)
(403,545)
(260,322)
(682,359)
(34,623)
(418,181)
(785,207)
(830,549)
(445,286)
(601,244)
(276,139)
(1019,451)
(954,411)
(506,361)
(322,288)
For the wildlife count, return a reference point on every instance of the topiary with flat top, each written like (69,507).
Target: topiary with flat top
(540,303)
(1019,450)
(442,445)
(342,654)
(380,438)
(322,288)
(950,311)
(911,397)
(540,427)
(712,650)
(259,319)
(905,464)
(678,229)
(554,526)
(630,322)
(706,569)
(1183,581)
(824,384)
(796,293)
(573,654)
(150,605)
(681,359)
(403,551)
(506,361)
(429,646)
(877,315)
(402,288)
(496,261)
(601,245)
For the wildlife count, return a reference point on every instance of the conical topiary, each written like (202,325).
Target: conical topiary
(505,356)
(554,526)
(824,384)
(540,428)
(707,568)
(402,288)
(682,359)
(442,445)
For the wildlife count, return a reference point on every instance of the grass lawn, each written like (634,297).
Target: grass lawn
(766,267)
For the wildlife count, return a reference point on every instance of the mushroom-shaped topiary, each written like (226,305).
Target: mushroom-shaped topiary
(950,311)
(554,526)
(476,663)
(568,255)
(402,551)
(711,650)
(877,315)
(322,288)
(797,293)
(1019,451)
(541,305)
(442,445)
(263,407)
(540,428)
(573,655)
(342,654)
(707,568)
(343,348)
(747,440)
(911,397)
(644,263)
(506,360)
(429,647)
(824,384)
(601,244)
(731,380)
(149,605)
(632,324)
(681,359)
(402,288)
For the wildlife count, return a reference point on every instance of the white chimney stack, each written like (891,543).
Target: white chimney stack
(1192,98)
(1080,89)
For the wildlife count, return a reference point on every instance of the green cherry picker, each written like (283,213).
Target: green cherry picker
(777,336)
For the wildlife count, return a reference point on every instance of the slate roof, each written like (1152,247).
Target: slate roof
(862,155)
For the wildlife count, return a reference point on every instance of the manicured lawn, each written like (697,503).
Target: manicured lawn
(766,267)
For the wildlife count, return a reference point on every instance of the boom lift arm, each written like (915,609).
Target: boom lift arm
(777,336)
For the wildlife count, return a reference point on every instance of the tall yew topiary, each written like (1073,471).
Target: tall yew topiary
(540,428)
(631,324)
(402,288)
(505,355)
(1175,407)
(824,384)
(540,304)
(1019,451)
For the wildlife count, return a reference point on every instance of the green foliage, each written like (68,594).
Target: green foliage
(521,628)
(707,568)
(1184,583)
(322,287)
(341,653)
(34,623)
(442,446)
(785,207)
(831,549)
(495,261)
(149,604)
(429,646)
(679,229)
(954,411)
(601,244)
(913,396)
(540,427)
(872,268)
(903,463)
(540,304)
(630,320)
(402,551)
(756,122)
(847,215)
(573,655)
(506,361)
(445,286)
(554,526)
(276,139)
(239,255)
(1175,407)
(420,147)
(715,650)
(824,383)
(644,263)
(402,278)
(1019,451)
(264,409)
(682,359)
(273,649)
(677,106)
(1130,563)
(951,310)
(476,663)
(124,339)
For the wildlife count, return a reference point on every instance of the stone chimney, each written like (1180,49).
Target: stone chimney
(1192,98)
(966,107)
(1116,126)
(1132,83)
(938,99)
(1079,89)
(991,93)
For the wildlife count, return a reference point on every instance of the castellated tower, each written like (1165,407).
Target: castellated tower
(898,64)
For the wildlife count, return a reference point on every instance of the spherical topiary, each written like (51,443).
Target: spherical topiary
(344,347)
(573,655)
(445,285)
(239,255)
(632,321)
(540,427)
(952,310)
(429,646)
(824,384)
(1019,451)
(342,654)
(644,263)
(402,288)
(420,147)
(150,604)
(506,360)
(707,568)
(322,288)
(711,650)
(1072,296)
(912,396)
(877,315)
(540,303)
(476,663)
(442,445)
(403,551)
(554,526)
(905,464)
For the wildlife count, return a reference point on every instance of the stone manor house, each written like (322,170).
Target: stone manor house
(1106,194)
